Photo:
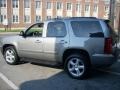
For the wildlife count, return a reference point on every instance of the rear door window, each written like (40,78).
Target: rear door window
(87,29)
(56,29)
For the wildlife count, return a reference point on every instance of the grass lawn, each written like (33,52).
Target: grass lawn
(2,30)
(12,30)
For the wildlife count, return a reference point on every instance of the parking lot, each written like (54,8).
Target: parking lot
(29,76)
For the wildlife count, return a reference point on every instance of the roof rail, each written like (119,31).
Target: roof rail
(60,18)
(84,17)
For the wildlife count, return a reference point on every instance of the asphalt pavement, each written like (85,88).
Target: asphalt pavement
(4,86)
(29,76)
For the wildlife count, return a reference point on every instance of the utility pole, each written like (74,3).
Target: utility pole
(112,12)
(119,16)
(0,11)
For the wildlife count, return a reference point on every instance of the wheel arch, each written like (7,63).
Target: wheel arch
(75,50)
(5,46)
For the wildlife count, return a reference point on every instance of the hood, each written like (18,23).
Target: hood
(9,36)
(9,39)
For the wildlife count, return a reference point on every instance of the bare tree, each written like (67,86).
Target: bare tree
(112,12)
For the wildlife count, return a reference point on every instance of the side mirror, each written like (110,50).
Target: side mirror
(22,33)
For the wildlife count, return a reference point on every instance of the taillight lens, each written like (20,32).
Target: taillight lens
(108,46)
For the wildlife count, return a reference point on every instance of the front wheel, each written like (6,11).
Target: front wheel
(10,55)
(76,66)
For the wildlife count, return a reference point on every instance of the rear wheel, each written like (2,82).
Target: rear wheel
(76,66)
(11,56)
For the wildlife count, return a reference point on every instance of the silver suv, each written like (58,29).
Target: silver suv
(77,43)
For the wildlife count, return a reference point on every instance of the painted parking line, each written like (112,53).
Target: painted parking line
(10,83)
(110,72)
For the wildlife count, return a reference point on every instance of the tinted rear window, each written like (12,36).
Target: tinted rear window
(108,23)
(112,32)
(87,29)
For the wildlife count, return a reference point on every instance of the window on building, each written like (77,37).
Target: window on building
(38,18)
(69,6)
(15,3)
(27,18)
(87,7)
(59,5)
(1,18)
(15,18)
(96,1)
(87,0)
(78,7)
(2,3)
(59,16)
(48,17)
(38,4)
(106,8)
(48,5)
(56,29)
(26,3)
(95,8)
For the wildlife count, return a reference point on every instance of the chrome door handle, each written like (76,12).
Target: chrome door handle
(38,41)
(63,42)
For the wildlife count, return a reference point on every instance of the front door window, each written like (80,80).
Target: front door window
(35,30)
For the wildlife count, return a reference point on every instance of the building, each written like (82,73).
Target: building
(25,12)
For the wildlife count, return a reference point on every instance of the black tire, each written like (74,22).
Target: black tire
(15,59)
(82,61)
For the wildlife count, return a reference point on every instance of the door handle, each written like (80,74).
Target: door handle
(63,42)
(38,41)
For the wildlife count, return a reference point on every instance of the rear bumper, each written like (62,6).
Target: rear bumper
(104,60)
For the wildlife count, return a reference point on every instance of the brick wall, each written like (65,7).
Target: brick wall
(21,23)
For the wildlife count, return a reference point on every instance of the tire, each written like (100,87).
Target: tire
(11,56)
(76,66)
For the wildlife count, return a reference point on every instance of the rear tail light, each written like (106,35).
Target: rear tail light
(108,46)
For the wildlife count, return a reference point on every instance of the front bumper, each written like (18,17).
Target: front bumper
(104,60)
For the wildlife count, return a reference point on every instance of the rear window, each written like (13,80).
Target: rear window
(108,23)
(87,29)
(112,32)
